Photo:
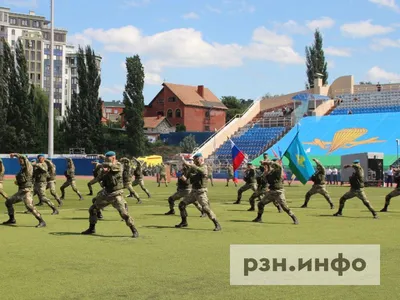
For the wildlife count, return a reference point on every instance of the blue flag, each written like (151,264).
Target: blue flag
(299,163)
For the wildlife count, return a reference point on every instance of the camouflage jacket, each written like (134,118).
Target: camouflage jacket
(250,176)
(40,172)
(113,179)
(274,176)
(2,171)
(51,170)
(357,178)
(198,176)
(24,177)
(319,176)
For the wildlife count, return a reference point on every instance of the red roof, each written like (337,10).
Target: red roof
(153,122)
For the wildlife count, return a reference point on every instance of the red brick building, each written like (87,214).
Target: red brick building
(196,107)
(112,111)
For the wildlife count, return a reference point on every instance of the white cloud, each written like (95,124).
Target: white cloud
(185,47)
(321,23)
(112,90)
(364,29)
(381,44)
(21,3)
(213,9)
(291,26)
(191,15)
(387,3)
(333,51)
(378,74)
(78,39)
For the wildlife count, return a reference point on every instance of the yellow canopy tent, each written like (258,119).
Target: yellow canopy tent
(151,160)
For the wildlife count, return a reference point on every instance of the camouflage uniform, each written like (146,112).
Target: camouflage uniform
(127,178)
(183,190)
(319,187)
(261,190)
(356,190)
(2,171)
(70,176)
(40,175)
(162,175)
(250,183)
(138,173)
(395,192)
(276,192)
(112,193)
(198,179)
(96,178)
(24,194)
(210,174)
(230,176)
(51,181)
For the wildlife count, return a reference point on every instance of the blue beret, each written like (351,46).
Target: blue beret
(197,155)
(50,159)
(40,155)
(357,161)
(33,160)
(110,153)
(96,161)
(274,159)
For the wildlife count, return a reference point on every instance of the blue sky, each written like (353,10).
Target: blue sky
(234,47)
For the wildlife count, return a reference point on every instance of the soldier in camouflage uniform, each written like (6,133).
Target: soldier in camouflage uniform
(51,180)
(138,173)
(276,192)
(198,178)
(127,178)
(395,192)
(25,189)
(183,190)
(112,193)
(2,171)
(230,175)
(250,182)
(210,173)
(319,186)
(40,174)
(96,176)
(261,190)
(162,175)
(356,189)
(70,176)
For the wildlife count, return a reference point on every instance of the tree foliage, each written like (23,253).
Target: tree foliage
(315,61)
(188,144)
(134,106)
(235,106)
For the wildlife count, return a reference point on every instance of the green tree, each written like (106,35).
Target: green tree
(134,106)
(188,144)
(180,128)
(235,106)
(315,61)
(41,120)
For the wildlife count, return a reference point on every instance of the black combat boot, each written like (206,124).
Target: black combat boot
(42,223)
(217,226)
(55,212)
(99,215)
(295,221)
(135,233)
(251,208)
(170,212)
(60,202)
(183,223)
(203,214)
(385,208)
(139,201)
(258,219)
(90,230)
(236,202)
(10,221)
(338,214)
(304,205)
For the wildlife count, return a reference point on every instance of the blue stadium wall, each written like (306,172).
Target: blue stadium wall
(83,166)
(174,138)
(328,138)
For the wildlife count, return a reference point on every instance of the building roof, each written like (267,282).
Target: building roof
(189,96)
(113,104)
(153,122)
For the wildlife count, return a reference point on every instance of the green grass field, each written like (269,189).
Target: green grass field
(57,262)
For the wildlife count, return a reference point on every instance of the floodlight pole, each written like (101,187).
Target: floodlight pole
(51,97)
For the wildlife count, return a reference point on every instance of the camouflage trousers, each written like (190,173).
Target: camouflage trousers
(244,188)
(180,193)
(68,183)
(92,182)
(40,191)
(360,194)
(200,196)
(51,185)
(2,192)
(277,197)
(162,177)
(318,189)
(229,178)
(391,195)
(211,180)
(140,182)
(23,195)
(260,193)
(129,187)
(116,199)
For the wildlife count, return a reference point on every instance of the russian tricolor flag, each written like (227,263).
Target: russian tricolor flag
(237,157)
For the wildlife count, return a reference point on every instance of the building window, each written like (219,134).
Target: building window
(2,28)
(178,113)
(108,110)
(38,77)
(32,76)
(36,24)
(207,114)
(39,56)
(207,128)
(13,32)
(13,43)
(24,22)
(13,21)
(169,113)
(38,67)
(33,44)
(161,100)
(160,113)
(32,67)
(115,111)
(39,45)
(171,99)
(33,56)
